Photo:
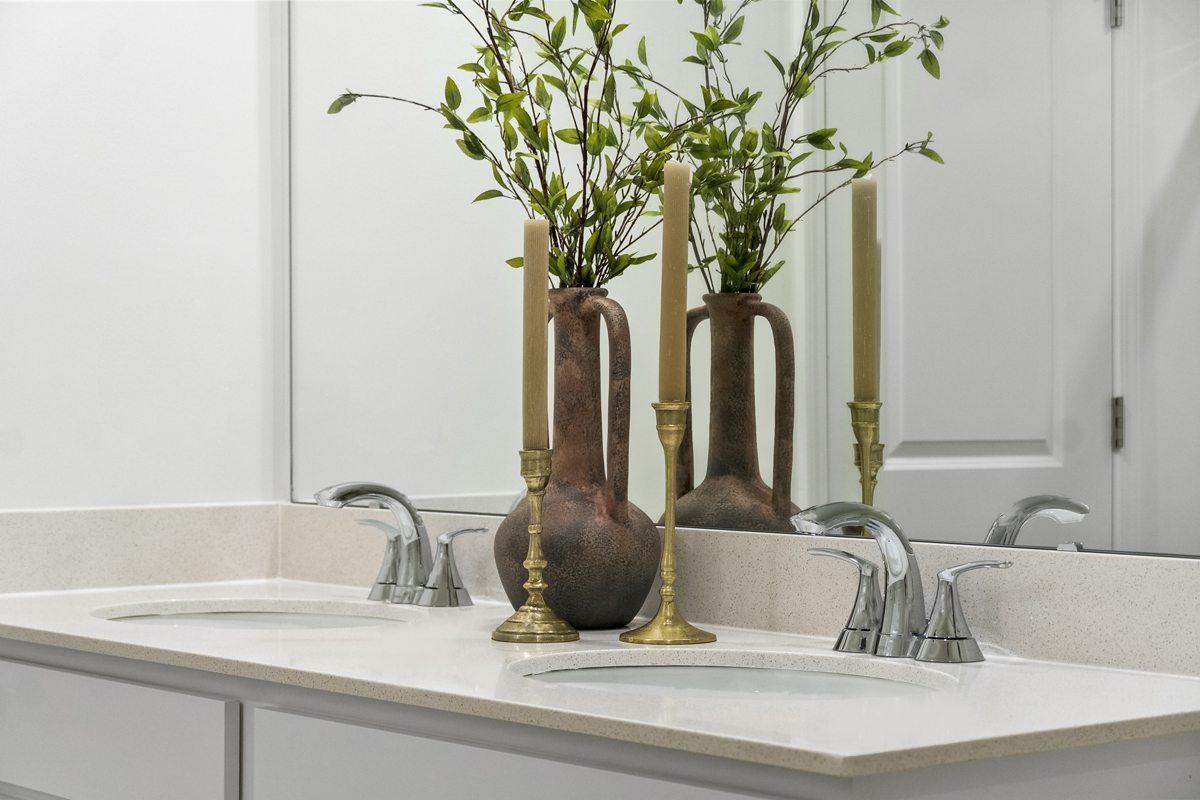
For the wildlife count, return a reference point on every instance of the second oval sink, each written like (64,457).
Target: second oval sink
(257,614)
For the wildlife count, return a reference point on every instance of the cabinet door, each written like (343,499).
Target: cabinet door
(83,738)
(296,757)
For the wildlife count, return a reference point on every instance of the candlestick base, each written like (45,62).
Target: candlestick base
(535,622)
(864,419)
(668,625)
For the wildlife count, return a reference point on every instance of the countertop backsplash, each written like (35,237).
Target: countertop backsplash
(1121,611)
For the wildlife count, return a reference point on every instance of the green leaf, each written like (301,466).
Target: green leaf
(472,149)
(939,41)
(930,63)
(488,195)
(688,59)
(778,66)
(453,97)
(897,48)
(703,42)
(569,135)
(713,36)
(559,33)
(931,155)
(941,23)
(507,103)
(479,115)
(642,52)
(516,263)
(593,11)
(341,102)
(870,53)
(542,96)
(733,31)
(597,141)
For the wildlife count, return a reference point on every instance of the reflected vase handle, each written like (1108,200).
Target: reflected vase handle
(685,473)
(785,406)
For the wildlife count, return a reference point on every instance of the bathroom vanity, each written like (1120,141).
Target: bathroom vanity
(99,702)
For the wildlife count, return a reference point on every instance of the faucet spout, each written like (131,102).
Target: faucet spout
(1060,509)
(406,564)
(903,596)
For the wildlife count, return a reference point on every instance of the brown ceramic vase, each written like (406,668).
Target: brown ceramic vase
(733,494)
(601,550)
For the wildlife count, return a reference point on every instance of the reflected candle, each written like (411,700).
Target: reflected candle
(867,279)
(535,419)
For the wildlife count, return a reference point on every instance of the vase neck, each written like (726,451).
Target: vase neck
(578,415)
(732,430)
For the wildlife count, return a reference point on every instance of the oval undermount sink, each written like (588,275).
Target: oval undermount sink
(718,673)
(257,614)
(730,681)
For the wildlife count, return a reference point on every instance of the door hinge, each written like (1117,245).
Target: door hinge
(1118,423)
(1117,12)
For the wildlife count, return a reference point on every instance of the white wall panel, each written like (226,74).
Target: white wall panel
(141,347)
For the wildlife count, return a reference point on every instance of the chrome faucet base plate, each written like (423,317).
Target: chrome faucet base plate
(949,651)
(897,645)
(856,641)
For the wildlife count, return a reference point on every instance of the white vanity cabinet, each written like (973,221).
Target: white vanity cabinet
(80,737)
(86,726)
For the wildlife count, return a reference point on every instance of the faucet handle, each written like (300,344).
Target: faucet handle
(947,639)
(862,628)
(445,587)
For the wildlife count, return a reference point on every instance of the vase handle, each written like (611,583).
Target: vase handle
(685,474)
(619,370)
(785,406)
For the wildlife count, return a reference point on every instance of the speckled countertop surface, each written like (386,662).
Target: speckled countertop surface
(445,659)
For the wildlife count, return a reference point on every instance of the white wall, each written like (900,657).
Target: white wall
(142,347)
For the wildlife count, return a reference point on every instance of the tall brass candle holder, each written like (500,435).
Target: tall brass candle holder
(535,622)
(864,419)
(668,625)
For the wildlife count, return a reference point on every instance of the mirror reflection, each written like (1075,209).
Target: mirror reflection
(1045,270)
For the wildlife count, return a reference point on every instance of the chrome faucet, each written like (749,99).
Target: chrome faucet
(406,559)
(903,597)
(1060,509)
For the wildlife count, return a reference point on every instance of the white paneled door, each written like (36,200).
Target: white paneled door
(998,357)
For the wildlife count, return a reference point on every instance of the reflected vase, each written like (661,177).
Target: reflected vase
(602,551)
(733,494)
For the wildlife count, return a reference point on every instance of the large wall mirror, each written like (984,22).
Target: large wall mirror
(1047,268)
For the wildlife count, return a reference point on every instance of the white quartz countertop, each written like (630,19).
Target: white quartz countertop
(445,659)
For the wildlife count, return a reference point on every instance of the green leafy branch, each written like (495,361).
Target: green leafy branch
(743,169)
(551,126)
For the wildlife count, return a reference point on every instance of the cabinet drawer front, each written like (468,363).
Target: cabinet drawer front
(297,757)
(85,738)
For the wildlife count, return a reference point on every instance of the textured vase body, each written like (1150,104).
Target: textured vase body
(733,493)
(602,551)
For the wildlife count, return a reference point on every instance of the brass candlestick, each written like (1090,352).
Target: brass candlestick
(864,419)
(535,622)
(668,625)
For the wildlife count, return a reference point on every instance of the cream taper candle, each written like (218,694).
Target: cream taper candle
(866,290)
(672,336)
(535,420)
